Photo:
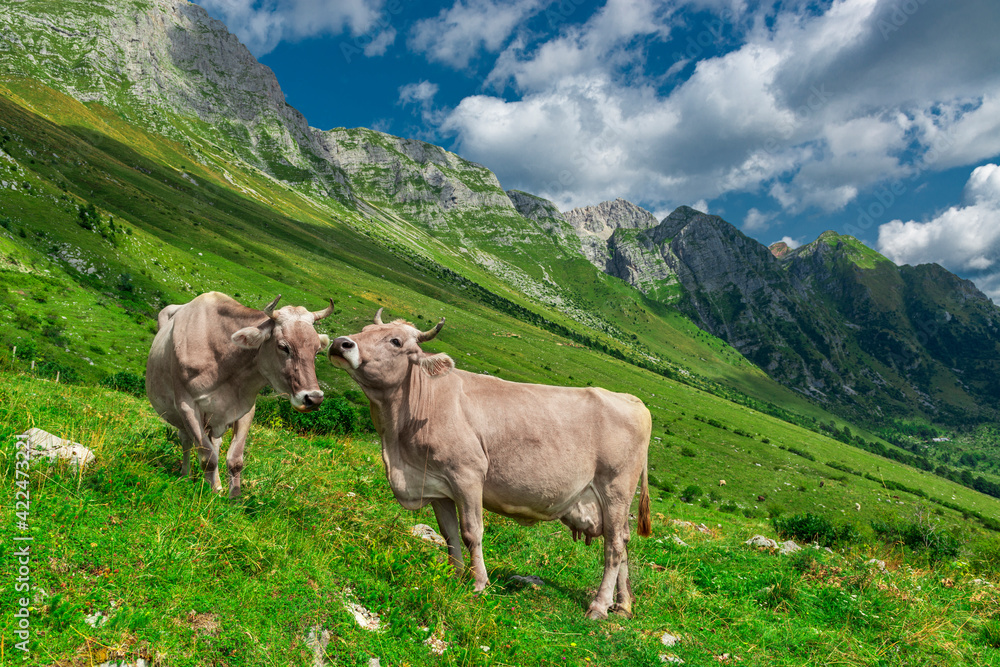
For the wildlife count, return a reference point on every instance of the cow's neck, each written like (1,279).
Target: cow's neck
(398,411)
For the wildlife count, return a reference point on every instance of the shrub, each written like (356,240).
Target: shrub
(687,451)
(691,492)
(921,534)
(334,416)
(126,381)
(813,528)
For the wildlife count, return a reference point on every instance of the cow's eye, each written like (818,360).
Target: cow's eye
(395,341)
(283,346)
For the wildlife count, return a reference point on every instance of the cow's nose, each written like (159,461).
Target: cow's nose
(307,401)
(312,399)
(343,343)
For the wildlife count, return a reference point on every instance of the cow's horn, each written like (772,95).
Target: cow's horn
(269,308)
(427,335)
(378,316)
(326,312)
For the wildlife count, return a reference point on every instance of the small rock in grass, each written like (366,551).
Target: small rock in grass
(317,640)
(42,443)
(669,640)
(670,657)
(425,532)
(368,620)
(436,643)
(761,542)
(529,580)
(789,547)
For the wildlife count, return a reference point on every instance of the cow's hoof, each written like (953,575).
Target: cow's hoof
(621,610)
(596,614)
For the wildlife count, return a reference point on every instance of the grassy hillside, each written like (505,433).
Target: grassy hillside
(167,571)
(101,224)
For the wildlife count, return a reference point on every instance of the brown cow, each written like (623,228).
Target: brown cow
(210,358)
(463,441)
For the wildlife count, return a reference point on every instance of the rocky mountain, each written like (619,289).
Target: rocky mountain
(833,319)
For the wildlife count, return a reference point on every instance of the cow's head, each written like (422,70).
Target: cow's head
(379,356)
(288,344)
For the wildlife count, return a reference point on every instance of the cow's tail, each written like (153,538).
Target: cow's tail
(645,522)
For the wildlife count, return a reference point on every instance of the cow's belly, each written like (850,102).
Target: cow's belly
(415,488)
(220,412)
(529,508)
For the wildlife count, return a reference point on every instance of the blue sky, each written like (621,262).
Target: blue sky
(877,118)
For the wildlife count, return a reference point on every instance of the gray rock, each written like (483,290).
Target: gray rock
(529,580)
(678,541)
(669,640)
(425,532)
(761,542)
(317,640)
(45,445)
(789,547)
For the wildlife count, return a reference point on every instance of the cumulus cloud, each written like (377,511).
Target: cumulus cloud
(262,24)
(810,107)
(457,34)
(790,242)
(964,238)
(755,221)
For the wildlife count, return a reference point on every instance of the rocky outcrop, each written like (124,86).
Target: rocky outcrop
(832,319)
(167,65)
(596,224)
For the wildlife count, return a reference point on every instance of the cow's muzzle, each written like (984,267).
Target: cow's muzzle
(343,353)
(307,401)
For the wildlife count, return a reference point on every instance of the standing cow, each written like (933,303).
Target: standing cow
(463,441)
(210,358)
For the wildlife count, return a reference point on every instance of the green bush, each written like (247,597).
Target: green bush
(335,416)
(691,492)
(687,451)
(812,528)
(126,381)
(920,534)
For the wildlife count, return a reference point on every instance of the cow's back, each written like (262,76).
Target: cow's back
(562,438)
(191,345)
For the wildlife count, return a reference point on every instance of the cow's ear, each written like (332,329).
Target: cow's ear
(251,338)
(324,341)
(436,365)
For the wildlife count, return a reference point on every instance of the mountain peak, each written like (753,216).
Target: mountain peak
(604,218)
(779,249)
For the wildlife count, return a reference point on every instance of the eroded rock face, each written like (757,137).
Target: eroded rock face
(596,224)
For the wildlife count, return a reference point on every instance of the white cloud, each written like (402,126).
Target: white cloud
(790,242)
(812,108)
(421,93)
(457,34)
(963,238)
(755,221)
(262,24)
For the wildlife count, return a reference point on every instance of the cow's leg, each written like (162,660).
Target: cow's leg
(470,510)
(447,518)
(623,596)
(186,442)
(208,447)
(234,459)
(614,515)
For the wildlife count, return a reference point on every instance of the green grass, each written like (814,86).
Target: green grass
(201,580)
(194,579)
